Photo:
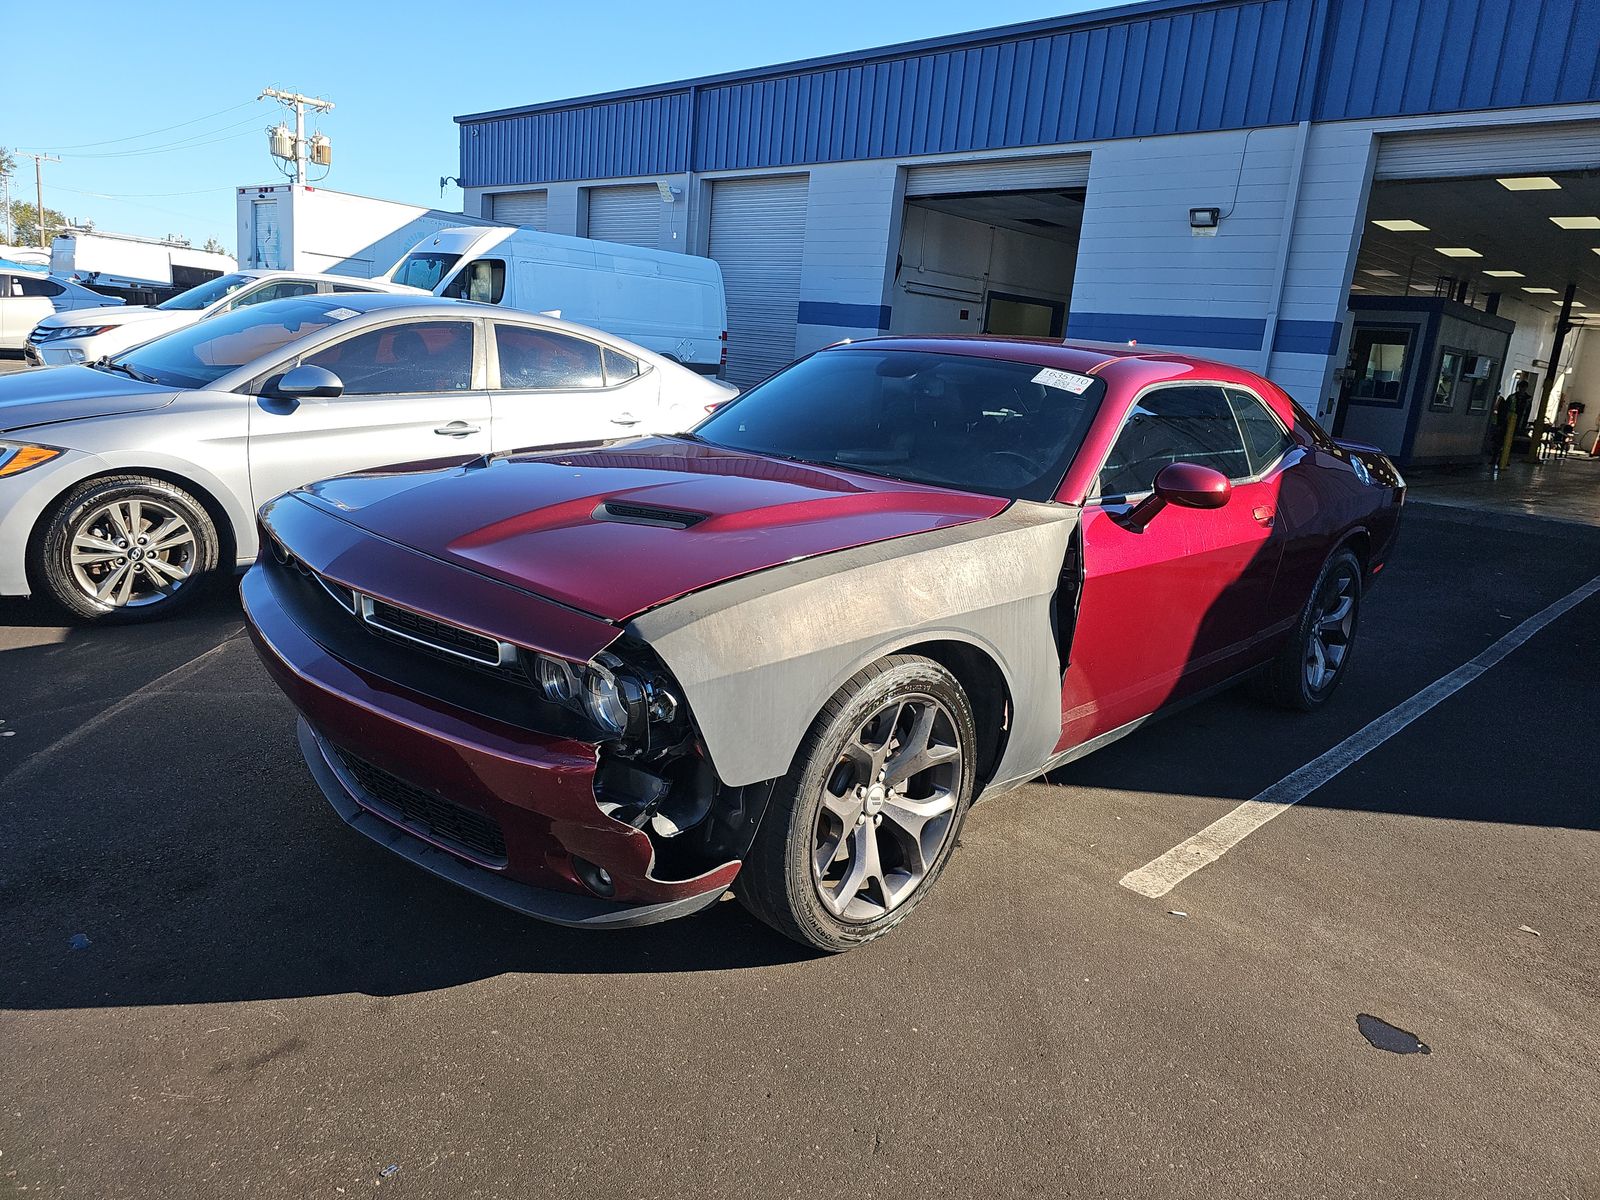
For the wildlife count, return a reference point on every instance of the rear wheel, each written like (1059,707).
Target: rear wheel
(1310,666)
(126,548)
(864,822)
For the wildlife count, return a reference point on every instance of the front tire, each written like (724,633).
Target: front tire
(864,822)
(1315,659)
(124,549)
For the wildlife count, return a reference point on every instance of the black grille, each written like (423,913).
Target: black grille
(437,817)
(436,633)
(677,518)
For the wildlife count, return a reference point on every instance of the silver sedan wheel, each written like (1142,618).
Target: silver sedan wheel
(887,809)
(1331,631)
(132,552)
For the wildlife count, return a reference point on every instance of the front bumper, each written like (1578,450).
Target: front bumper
(532,792)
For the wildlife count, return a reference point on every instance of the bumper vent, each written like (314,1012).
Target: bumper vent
(438,818)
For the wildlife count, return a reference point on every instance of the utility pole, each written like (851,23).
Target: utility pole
(299,104)
(38,189)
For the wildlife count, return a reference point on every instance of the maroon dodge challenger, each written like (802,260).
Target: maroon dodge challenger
(785,652)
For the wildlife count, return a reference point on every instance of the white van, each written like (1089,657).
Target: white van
(667,302)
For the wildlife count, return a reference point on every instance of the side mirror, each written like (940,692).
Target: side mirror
(1187,485)
(307,383)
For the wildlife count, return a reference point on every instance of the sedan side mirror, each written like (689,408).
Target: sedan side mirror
(307,383)
(1188,485)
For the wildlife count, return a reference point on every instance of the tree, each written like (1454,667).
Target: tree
(213,246)
(8,168)
(25,222)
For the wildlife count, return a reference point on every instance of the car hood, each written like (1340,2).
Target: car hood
(133,314)
(617,530)
(44,397)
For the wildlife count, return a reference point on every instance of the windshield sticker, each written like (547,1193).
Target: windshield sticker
(340,314)
(1065,381)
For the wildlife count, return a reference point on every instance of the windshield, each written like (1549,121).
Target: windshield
(206,293)
(203,353)
(978,424)
(424,270)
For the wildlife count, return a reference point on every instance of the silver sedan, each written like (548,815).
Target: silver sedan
(124,484)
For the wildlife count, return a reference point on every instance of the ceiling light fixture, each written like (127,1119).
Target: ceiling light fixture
(1538,291)
(1529,183)
(1577,222)
(1381,274)
(1506,274)
(1401,226)
(1457,252)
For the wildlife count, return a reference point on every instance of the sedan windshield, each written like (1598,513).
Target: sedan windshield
(207,293)
(425,270)
(978,424)
(203,353)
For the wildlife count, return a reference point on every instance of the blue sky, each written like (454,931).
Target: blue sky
(397,72)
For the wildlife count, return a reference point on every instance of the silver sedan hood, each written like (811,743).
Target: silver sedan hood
(50,395)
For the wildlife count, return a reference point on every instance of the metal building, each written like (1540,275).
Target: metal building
(1194,175)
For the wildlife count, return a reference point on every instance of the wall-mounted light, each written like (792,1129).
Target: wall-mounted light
(668,192)
(1205,218)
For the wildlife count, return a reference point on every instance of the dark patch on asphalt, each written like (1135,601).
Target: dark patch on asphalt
(1390,1037)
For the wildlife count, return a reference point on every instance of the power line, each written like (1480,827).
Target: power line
(133,137)
(183,144)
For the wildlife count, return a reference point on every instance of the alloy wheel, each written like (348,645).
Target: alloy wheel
(887,809)
(131,552)
(1331,631)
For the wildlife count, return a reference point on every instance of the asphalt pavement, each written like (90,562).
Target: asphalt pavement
(207,983)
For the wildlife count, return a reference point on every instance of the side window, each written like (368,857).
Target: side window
(483,280)
(5,286)
(281,290)
(1191,423)
(414,359)
(538,358)
(38,287)
(620,367)
(1264,438)
(348,287)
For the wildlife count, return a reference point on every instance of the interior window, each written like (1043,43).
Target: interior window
(620,367)
(411,359)
(1190,423)
(483,280)
(538,358)
(281,290)
(1264,438)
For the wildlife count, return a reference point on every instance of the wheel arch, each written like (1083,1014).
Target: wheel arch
(987,691)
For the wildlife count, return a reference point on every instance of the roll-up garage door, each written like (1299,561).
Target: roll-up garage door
(520,208)
(758,230)
(630,215)
(999,175)
(1448,153)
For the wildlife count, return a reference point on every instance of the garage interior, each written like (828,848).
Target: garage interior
(1462,287)
(987,262)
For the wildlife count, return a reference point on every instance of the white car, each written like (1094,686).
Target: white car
(125,483)
(30,294)
(74,337)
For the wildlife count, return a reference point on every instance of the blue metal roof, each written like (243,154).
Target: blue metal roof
(1169,67)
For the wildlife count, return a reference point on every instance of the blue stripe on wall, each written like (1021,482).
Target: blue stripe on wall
(1212,333)
(848,316)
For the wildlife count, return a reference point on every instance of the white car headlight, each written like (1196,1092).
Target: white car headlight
(72,331)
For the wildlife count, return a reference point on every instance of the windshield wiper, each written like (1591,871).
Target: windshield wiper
(105,364)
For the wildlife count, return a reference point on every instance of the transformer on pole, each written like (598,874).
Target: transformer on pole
(284,145)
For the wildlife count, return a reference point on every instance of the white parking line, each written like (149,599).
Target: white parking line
(1160,876)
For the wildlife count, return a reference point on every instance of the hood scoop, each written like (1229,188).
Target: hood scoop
(647,514)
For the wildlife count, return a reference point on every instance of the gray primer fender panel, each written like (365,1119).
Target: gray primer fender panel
(759,656)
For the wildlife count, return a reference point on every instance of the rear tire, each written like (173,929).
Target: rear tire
(863,824)
(1316,658)
(125,549)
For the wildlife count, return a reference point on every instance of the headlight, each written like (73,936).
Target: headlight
(72,331)
(619,700)
(17,457)
(1360,468)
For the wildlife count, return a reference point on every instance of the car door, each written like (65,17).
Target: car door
(412,391)
(556,388)
(1183,604)
(24,302)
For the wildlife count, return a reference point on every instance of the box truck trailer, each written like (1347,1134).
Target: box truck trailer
(292,227)
(139,270)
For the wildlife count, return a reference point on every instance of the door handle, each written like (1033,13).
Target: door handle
(456,429)
(625,418)
(1263,514)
